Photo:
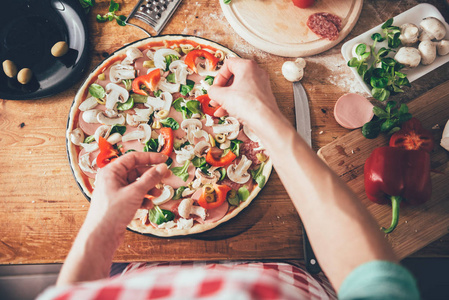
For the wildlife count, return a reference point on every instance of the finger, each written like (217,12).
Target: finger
(129,161)
(217,94)
(147,181)
(224,75)
(220,112)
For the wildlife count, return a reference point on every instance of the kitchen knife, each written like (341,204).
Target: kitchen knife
(304,128)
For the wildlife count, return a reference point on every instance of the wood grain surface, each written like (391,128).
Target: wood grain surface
(278,27)
(42,208)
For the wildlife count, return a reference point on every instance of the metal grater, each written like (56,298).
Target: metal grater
(155,13)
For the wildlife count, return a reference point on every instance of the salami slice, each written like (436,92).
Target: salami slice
(325,25)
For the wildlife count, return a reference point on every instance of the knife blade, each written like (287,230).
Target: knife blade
(304,129)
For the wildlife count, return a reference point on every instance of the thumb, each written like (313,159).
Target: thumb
(218,93)
(147,181)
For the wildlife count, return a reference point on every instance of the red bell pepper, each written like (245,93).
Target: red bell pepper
(219,161)
(395,175)
(150,81)
(303,3)
(413,136)
(220,192)
(205,107)
(107,153)
(167,134)
(211,60)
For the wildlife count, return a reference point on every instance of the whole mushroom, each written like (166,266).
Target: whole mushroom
(408,56)
(294,70)
(443,47)
(432,28)
(409,34)
(428,51)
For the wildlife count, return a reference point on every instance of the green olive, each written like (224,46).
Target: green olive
(59,49)
(10,69)
(24,75)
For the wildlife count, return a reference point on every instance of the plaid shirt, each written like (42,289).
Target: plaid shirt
(199,280)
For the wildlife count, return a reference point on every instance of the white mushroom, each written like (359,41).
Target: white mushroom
(159,57)
(85,165)
(184,154)
(206,71)
(179,68)
(200,133)
(408,56)
(225,145)
(201,148)
(142,215)
(103,131)
(89,147)
(209,121)
(131,121)
(239,174)
(103,119)
(110,113)
(87,104)
(143,114)
(231,128)
(132,54)
(166,195)
(409,34)
(143,134)
(114,94)
(150,54)
(443,47)
(166,86)
(163,102)
(119,72)
(207,179)
(294,70)
(428,51)
(77,136)
(445,137)
(160,142)
(432,28)
(197,90)
(90,116)
(184,224)
(187,192)
(186,208)
(205,86)
(167,225)
(190,126)
(114,138)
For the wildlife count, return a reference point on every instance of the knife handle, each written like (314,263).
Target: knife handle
(312,264)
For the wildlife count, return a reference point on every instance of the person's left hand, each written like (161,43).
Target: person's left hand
(120,189)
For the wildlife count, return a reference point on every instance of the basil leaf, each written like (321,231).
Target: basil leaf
(181,172)
(235,147)
(158,216)
(377,37)
(380,94)
(198,161)
(127,105)
(177,104)
(209,80)
(388,125)
(178,144)
(387,23)
(227,1)
(157,93)
(169,162)
(102,19)
(178,193)
(127,83)
(380,113)
(258,176)
(120,20)
(243,193)
(360,49)
(169,59)
(390,105)
(194,106)
(171,78)
(118,128)
(233,198)
(170,122)
(223,173)
(139,98)
(97,91)
(89,139)
(261,181)
(151,145)
(187,88)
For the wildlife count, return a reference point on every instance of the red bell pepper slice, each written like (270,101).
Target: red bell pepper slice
(150,81)
(107,153)
(220,191)
(219,161)
(395,175)
(191,57)
(413,136)
(167,134)
(205,107)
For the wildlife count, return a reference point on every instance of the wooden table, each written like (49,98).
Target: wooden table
(42,207)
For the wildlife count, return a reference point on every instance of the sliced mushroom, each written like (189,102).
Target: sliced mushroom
(114,94)
(167,225)
(103,131)
(119,72)
(205,86)
(90,147)
(90,116)
(184,154)
(186,208)
(87,104)
(184,223)
(231,128)
(143,114)
(428,51)
(162,102)
(200,134)
(85,165)
(196,91)
(150,54)
(179,68)
(432,29)
(159,57)
(142,215)
(143,134)
(132,54)
(443,47)
(187,192)
(166,195)
(239,174)
(408,56)
(103,119)
(161,142)
(110,113)
(209,121)
(131,120)
(77,136)
(190,126)
(409,34)
(226,144)
(207,179)
(166,86)
(201,148)
(114,138)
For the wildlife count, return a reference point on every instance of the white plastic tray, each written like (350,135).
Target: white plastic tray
(413,15)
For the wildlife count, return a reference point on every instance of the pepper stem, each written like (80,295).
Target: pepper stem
(395,201)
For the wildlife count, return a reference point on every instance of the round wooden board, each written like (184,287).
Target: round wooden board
(279,27)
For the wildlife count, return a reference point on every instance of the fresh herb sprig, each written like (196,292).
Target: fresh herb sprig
(87,5)
(388,120)
(391,33)
(111,15)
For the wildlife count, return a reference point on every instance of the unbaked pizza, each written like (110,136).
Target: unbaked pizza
(151,96)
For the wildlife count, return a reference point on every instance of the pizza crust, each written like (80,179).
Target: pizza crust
(136,225)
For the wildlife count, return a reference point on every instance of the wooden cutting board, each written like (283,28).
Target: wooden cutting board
(418,225)
(279,27)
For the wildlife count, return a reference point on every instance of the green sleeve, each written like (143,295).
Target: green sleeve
(379,280)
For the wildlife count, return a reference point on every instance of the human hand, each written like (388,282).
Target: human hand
(118,194)
(242,86)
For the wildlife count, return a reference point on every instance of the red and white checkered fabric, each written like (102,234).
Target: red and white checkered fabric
(183,280)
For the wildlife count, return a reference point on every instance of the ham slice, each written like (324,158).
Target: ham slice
(353,111)
(173,180)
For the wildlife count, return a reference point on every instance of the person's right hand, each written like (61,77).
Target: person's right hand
(243,89)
